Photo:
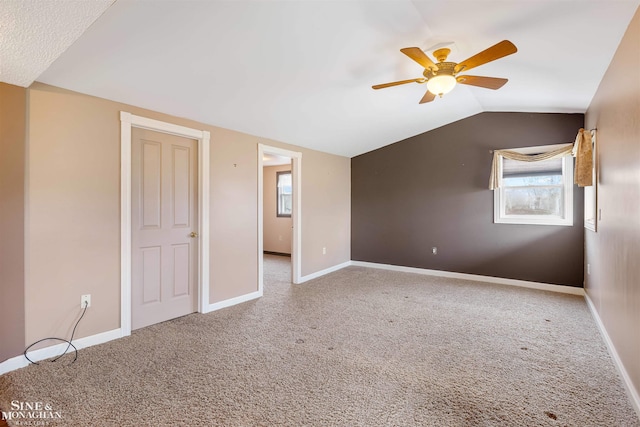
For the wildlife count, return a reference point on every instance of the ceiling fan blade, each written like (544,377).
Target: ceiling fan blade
(486,82)
(428,97)
(401,82)
(497,51)
(419,56)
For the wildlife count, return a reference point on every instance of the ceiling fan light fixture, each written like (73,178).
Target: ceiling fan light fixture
(441,84)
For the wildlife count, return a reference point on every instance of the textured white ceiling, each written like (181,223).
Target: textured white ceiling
(301,71)
(275,160)
(33,33)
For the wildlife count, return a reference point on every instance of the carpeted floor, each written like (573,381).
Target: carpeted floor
(358,347)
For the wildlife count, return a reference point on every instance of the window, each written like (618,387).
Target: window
(283,184)
(535,192)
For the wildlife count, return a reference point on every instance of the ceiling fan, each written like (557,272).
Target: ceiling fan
(442,77)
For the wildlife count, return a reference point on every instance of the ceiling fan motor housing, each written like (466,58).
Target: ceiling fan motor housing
(444,68)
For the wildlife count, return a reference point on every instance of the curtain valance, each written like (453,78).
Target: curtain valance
(581,150)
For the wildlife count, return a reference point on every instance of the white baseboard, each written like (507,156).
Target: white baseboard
(465,276)
(323,272)
(631,390)
(233,301)
(55,350)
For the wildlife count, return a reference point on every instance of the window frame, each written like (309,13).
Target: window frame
(279,214)
(591,192)
(499,217)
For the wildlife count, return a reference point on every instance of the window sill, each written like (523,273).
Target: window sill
(535,221)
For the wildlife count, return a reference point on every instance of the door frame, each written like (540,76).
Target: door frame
(296,214)
(128,121)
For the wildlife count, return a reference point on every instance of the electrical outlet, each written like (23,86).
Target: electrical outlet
(434,250)
(324,251)
(85,300)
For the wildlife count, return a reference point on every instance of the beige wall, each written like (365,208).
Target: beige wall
(613,252)
(276,230)
(12,168)
(73,213)
(233,217)
(326,196)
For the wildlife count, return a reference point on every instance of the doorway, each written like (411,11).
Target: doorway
(279,218)
(277,213)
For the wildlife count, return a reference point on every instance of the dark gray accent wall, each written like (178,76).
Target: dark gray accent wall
(431,190)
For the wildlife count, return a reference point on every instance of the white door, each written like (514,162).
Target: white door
(164,227)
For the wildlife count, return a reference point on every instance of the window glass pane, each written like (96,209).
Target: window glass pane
(285,204)
(537,200)
(526,180)
(284,182)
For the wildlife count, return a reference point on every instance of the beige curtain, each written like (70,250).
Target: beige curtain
(495,179)
(581,150)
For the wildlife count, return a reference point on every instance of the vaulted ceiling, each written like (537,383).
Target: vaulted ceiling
(301,71)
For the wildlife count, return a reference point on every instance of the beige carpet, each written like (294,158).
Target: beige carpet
(359,347)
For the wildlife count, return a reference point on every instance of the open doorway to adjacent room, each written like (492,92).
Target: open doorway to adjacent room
(279,218)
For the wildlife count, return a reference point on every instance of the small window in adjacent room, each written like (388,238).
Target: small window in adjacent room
(283,183)
(535,192)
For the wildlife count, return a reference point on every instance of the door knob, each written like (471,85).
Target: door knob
(193,234)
